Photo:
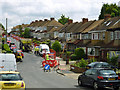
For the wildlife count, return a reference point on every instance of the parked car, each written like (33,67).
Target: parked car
(99,78)
(11,80)
(7,62)
(13,47)
(98,65)
(44,48)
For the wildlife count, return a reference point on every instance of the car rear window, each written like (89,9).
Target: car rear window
(10,77)
(107,72)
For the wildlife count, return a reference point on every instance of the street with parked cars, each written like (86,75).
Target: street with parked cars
(31,73)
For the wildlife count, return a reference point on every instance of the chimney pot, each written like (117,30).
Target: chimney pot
(40,20)
(51,19)
(106,16)
(70,21)
(45,19)
(84,20)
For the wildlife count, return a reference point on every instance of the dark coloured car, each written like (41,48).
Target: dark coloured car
(98,65)
(99,78)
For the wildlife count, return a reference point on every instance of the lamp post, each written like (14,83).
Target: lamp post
(6,30)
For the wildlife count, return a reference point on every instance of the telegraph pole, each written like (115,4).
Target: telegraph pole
(6,30)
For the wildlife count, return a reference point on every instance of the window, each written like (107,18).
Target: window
(88,72)
(107,72)
(95,36)
(103,36)
(108,23)
(45,28)
(91,51)
(117,35)
(117,22)
(93,72)
(111,35)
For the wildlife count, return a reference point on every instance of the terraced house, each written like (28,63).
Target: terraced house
(42,29)
(99,38)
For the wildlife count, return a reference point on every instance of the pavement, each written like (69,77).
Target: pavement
(64,69)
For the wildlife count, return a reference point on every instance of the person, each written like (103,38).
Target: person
(47,56)
(23,48)
(35,49)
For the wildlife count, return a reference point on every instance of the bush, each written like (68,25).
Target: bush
(113,61)
(73,57)
(56,46)
(6,48)
(79,52)
(83,63)
(68,53)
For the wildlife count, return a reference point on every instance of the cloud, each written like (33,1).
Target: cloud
(25,11)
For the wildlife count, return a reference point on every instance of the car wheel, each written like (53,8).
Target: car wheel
(95,86)
(80,82)
(115,88)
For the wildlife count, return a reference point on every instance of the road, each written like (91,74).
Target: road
(35,77)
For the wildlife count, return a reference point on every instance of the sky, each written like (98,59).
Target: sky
(25,11)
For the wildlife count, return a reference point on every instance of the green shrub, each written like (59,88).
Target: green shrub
(79,52)
(113,61)
(6,48)
(73,57)
(68,53)
(56,46)
(83,63)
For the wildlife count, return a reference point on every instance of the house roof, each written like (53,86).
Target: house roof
(115,26)
(93,25)
(62,29)
(54,23)
(75,26)
(83,27)
(107,24)
(69,27)
(55,29)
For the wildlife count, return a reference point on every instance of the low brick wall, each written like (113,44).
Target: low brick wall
(77,69)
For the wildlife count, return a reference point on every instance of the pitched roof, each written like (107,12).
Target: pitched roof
(55,29)
(93,25)
(83,27)
(115,26)
(75,26)
(54,23)
(107,23)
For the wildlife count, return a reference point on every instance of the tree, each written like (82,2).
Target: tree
(20,30)
(56,46)
(27,33)
(111,9)
(2,26)
(79,52)
(63,20)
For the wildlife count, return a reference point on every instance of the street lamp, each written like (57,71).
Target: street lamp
(6,30)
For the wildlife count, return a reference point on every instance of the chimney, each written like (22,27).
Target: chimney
(32,22)
(36,20)
(106,16)
(84,20)
(45,19)
(40,20)
(70,21)
(51,19)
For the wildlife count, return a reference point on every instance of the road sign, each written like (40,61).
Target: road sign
(47,67)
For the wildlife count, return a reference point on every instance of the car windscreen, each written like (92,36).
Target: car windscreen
(102,65)
(107,72)
(10,77)
(46,50)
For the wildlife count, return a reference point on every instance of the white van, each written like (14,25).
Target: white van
(44,48)
(7,62)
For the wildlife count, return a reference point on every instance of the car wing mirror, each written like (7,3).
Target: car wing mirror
(83,73)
